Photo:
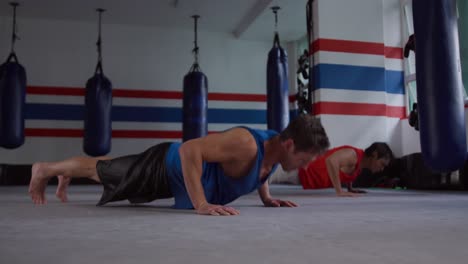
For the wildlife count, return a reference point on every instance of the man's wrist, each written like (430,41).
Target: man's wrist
(200,204)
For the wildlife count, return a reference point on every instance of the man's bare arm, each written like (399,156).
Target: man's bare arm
(219,147)
(334,162)
(192,164)
(264,192)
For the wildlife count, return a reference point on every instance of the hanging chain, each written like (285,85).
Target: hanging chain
(195,49)
(99,42)
(275,11)
(14,37)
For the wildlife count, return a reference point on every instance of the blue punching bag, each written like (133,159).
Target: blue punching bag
(195,99)
(439,84)
(12,96)
(277,86)
(12,100)
(195,104)
(98,107)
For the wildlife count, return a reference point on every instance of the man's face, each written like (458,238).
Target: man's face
(293,159)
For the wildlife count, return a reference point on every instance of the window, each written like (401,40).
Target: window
(410,62)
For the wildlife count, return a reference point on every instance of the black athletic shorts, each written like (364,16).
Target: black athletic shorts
(138,178)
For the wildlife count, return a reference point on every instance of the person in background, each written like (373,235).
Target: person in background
(340,166)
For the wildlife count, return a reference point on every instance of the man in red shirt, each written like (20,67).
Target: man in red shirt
(342,165)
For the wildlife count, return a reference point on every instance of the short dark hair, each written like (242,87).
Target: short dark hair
(307,133)
(381,148)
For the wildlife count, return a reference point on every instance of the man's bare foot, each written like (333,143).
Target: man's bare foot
(38,183)
(61,192)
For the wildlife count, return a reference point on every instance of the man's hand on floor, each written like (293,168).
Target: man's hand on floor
(278,203)
(216,210)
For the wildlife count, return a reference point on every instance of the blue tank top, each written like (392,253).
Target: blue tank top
(219,188)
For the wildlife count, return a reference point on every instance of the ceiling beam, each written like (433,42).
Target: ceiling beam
(250,17)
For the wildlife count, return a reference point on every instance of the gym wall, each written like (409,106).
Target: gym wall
(60,56)
(359,72)
(360,79)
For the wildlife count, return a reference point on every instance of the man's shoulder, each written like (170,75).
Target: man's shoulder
(346,146)
(345,152)
(349,147)
(241,137)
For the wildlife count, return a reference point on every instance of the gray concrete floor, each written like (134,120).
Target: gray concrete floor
(384,226)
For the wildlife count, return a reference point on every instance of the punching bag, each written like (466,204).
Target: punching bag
(98,107)
(195,98)
(195,105)
(12,100)
(12,96)
(277,88)
(439,84)
(463,28)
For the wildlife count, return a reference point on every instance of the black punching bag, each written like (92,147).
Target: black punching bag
(98,107)
(12,97)
(439,84)
(195,99)
(277,85)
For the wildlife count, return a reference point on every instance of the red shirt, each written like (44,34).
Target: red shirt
(315,176)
